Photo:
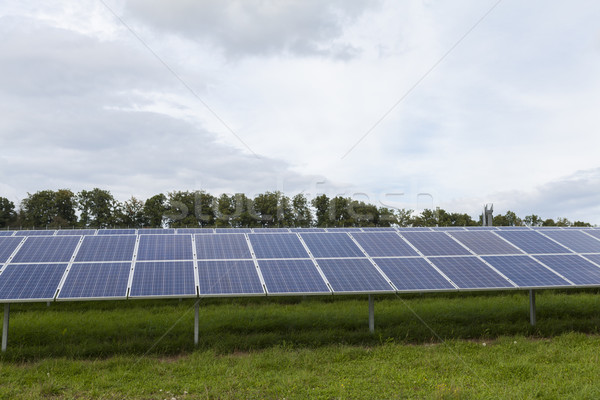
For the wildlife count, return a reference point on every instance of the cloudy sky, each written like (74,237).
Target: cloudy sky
(410,104)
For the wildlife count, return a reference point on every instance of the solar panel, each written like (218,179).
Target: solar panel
(7,246)
(513,228)
(384,244)
(594,232)
(573,267)
(165,247)
(525,271)
(532,242)
(96,281)
(35,233)
(354,276)
(300,230)
(292,276)
(448,228)
(116,232)
(30,282)
(575,240)
(233,230)
(220,247)
(470,273)
(379,229)
(331,245)
(106,248)
(343,230)
(593,257)
(276,245)
(163,279)
(481,228)
(435,244)
(156,231)
(410,274)
(271,230)
(193,231)
(75,232)
(415,229)
(6,233)
(485,242)
(229,278)
(47,249)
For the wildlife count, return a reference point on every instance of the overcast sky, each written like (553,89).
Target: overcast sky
(410,104)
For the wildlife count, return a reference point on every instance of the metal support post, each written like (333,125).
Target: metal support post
(5,326)
(371,314)
(532,307)
(196,321)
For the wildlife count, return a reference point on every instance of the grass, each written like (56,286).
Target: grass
(460,346)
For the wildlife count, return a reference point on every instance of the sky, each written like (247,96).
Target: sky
(412,104)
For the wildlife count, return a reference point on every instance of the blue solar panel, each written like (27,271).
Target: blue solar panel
(6,233)
(220,247)
(525,271)
(163,279)
(331,245)
(75,232)
(485,242)
(594,232)
(447,228)
(95,281)
(46,249)
(513,228)
(116,232)
(415,229)
(435,244)
(228,278)
(7,246)
(30,281)
(106,248)
(165,247)
(35,233)
(233,230)
(277,246)
(193,231)
(481,228)
(300,230)
(410,274)
(594,258)
(343,230)
(271,230)
(573,267)
(575,240)
(378,229)
(384,244)
(292,276)
(156,231)
(354,275)
(532,242)
(470,273)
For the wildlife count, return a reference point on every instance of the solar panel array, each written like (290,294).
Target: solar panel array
(160,263)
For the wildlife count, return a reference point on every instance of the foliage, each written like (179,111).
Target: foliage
(48,208)
(154,210)
(7,212)
(99,209)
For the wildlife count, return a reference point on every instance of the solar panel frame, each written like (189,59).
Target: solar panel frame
(435,244)
(233,230)
(75,232)
(300,230)
(20,283)
(195,231)
(156,231)
(7,233)
(168,279)
(277,245)
(110,281)
(306,279)
(106,248)
(46,249)
(35,233)
(270,230)
(384,244)
(165,248)
(343,230)
(222,278)
(363,279)
(331,245)
(223,246)
(116,232)
(427,279)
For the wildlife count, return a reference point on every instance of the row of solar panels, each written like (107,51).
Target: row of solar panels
(95,267)
(188,231)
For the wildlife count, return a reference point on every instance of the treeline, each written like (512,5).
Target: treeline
(98,208)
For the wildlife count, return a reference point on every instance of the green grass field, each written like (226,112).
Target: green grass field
(453,346)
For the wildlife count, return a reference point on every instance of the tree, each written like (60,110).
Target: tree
(98,208)
(387,217)
(302,216)
(193,209)
(508,219)
(404,217)
(321,204)
(427,218)
(549,222)
(7,212)
(48,208)
(244,216)
(133,214)
(225,210)
(533,220)
(582,224)
(154,210)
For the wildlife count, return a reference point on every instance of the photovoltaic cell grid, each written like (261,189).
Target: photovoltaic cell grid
(41,249)
(163,279)
(277,245)
(593,232)
(331,245)
(435,244)
(292,276)
(35,233)
(354,276)
(573,267)
(532,242)
(7,247)
(193,231)
(300,230)
(233,230)
(485,242)
(156,231)
(116,232)
(271,230)
(220,247)
(575,240)
(106,248)
(165,247)
(410,274)
(384,244)
(6,233)
(470,273)
(75,232)
(525,272)
(96,281)
(31,281)
(228,278)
